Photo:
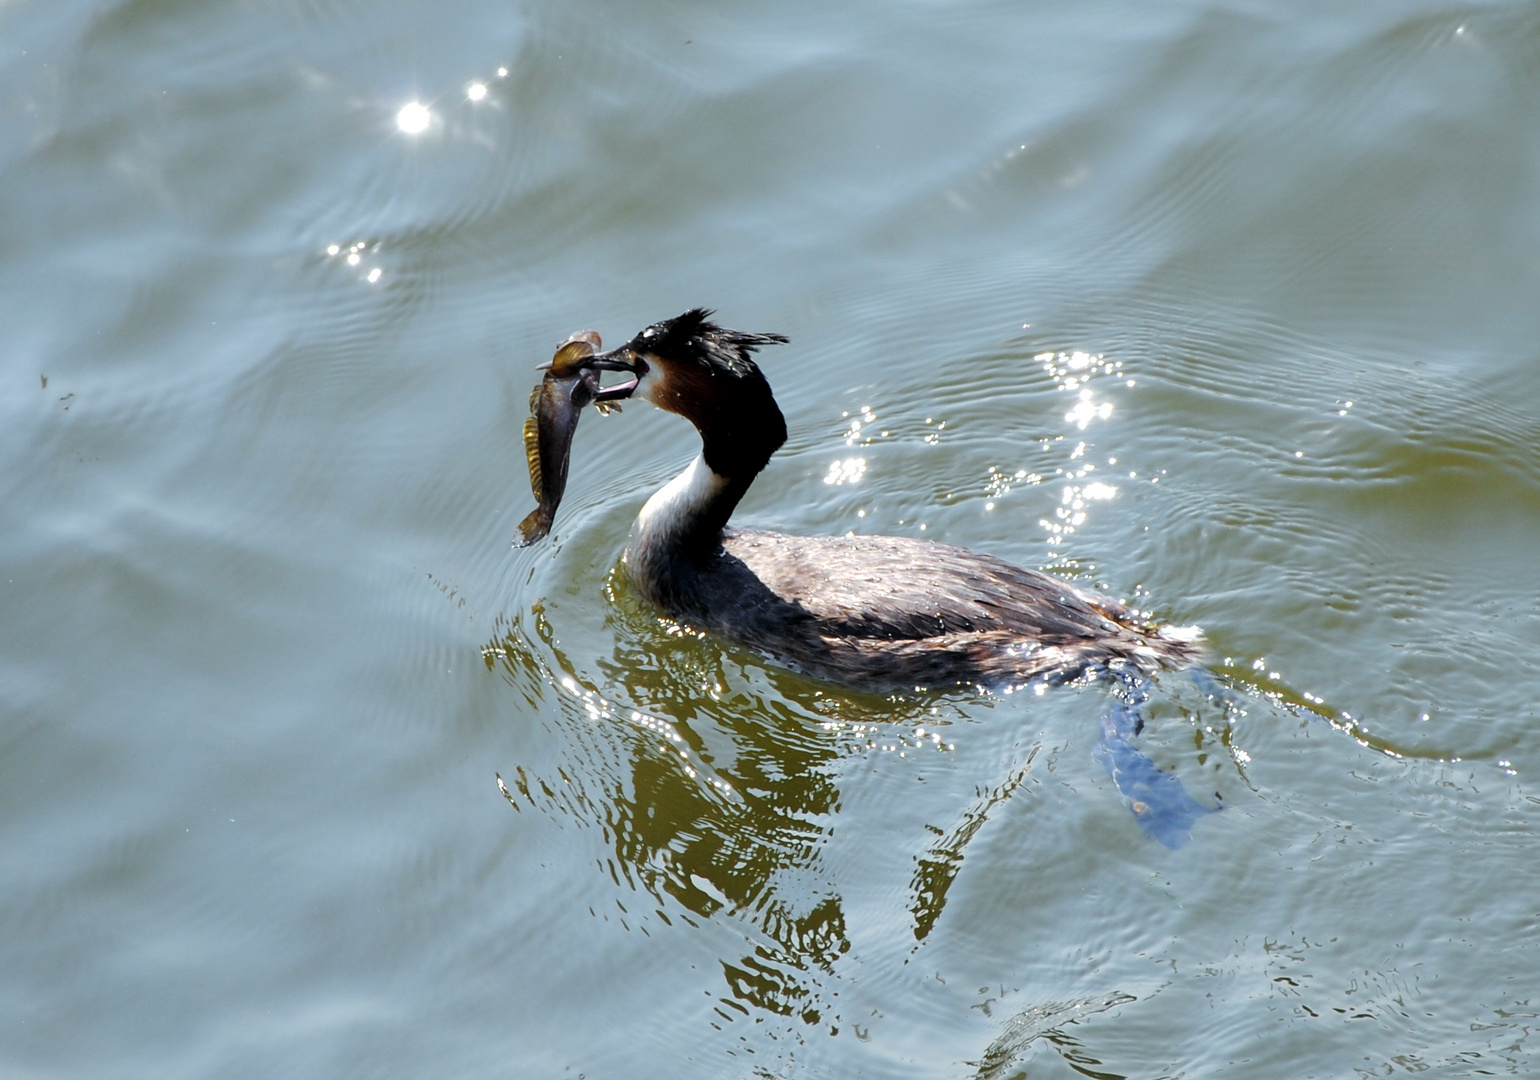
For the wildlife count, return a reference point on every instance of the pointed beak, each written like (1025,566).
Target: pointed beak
(622,359)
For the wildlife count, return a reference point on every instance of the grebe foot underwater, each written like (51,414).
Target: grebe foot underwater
(874,613)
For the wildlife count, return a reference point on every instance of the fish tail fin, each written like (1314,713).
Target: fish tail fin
(534,527)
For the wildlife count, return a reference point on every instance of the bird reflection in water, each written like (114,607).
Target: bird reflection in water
(718,796)
(751,848)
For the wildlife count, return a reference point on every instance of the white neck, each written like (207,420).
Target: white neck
(675,509)
(672,531)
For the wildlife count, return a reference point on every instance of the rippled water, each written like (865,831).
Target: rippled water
(1226,309)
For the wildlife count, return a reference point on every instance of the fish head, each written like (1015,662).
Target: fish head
(572,354)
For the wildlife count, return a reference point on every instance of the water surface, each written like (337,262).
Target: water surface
(1225,309)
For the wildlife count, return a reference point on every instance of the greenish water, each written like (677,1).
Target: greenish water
(265,649)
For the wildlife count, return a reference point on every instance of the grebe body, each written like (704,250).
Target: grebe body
(875,613)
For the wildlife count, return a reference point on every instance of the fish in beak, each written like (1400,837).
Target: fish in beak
(571,382)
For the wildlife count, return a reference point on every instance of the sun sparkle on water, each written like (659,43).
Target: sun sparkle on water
(414,118)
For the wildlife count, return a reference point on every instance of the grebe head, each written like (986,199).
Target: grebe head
(707,374)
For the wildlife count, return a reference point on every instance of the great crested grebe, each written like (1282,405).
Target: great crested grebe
(879,613)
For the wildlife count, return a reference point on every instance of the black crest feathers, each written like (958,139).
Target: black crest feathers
(694,338)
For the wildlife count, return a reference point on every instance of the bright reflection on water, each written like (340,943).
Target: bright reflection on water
(845,471)
(414,118)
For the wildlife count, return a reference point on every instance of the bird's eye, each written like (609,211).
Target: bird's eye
(649,332)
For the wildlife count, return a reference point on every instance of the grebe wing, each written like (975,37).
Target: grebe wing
(891,587)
